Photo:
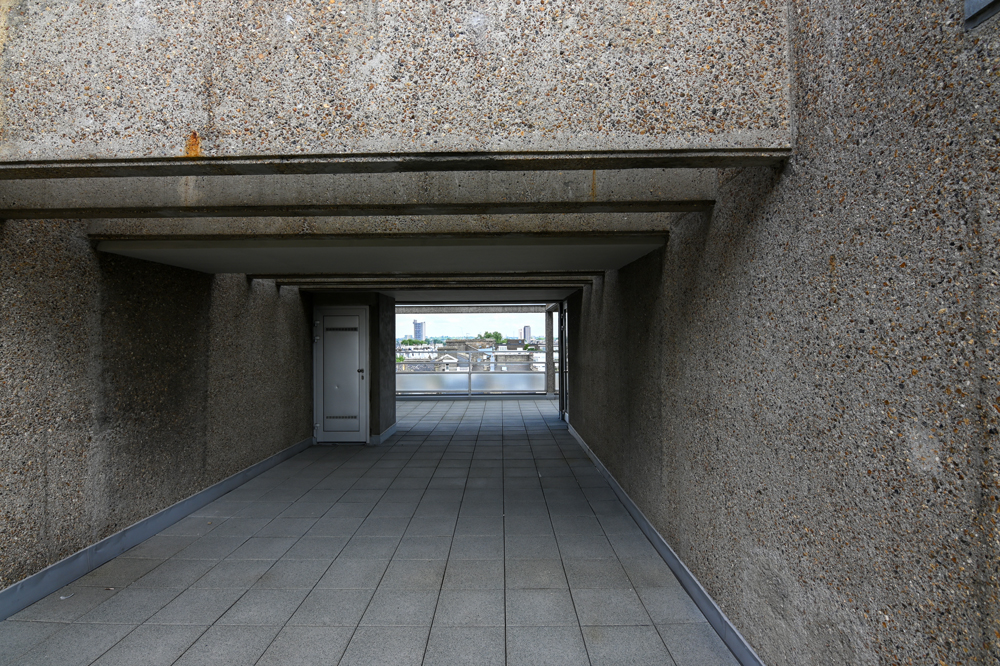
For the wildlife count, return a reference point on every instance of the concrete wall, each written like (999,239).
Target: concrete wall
(382,346)
(126,386)
(807,379)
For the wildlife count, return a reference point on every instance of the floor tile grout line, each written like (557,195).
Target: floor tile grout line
(306,596)
(145,622)
(391,557)
(569,587)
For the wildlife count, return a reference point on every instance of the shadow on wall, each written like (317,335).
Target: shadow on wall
(129,385)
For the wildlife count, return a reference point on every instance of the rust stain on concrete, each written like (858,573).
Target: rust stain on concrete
(193,146)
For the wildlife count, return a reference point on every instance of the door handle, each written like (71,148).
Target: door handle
(361,370)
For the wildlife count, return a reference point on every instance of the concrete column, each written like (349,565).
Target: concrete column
(550,370)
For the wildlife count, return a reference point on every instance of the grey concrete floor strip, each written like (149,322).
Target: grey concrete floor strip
(48,580)
(737,645)
(477,533)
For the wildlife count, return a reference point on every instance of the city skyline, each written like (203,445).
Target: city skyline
(470,325)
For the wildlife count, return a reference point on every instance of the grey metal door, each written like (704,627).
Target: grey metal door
(341,386)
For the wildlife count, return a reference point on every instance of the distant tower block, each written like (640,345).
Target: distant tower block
(419,330)
(526,334)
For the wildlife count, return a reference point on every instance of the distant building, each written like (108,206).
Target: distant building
(526,334)
(419,330)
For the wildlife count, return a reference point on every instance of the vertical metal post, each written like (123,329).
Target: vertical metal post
(550,368)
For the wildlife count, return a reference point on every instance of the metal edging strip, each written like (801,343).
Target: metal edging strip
(25,592)
(729,634)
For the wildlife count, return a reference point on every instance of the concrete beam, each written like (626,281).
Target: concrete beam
(468,309)
(129,83)
(716,158)
(363,195)
(400,227)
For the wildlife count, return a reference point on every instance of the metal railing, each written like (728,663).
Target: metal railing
(482,372)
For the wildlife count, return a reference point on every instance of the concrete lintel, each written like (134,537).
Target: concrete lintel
(720,158)
(594,225)
(468,309)
(363,195)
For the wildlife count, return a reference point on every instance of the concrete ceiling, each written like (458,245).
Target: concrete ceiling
(392,255)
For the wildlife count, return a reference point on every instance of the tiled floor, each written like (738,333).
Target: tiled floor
(482,535)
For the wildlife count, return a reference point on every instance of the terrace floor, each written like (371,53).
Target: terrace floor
(479,534)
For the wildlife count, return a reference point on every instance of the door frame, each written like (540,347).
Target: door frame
(319,312)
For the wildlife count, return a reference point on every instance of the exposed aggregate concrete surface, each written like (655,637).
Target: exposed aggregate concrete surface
(126,386)
(819,442)
(217,78)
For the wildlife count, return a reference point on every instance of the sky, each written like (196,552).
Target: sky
(471,325)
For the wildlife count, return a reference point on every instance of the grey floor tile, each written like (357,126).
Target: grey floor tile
(470,608)
(191,526)
(200,607)
(465,646)
(240,527)
(119,572)
(306,509)
(151,645)
(382,527)
(316,548)
(474,575)
(211,547)
(393,607)
(423,548)
(696,645)
(625,646)
(307,646)
(262,510)
(552,646)
(480,526)
(16,638)
(331,526)
(610,607)
(332,608)
(132,605)
(344,509)
(633,546)
(527,526)
(437,510)
(264,607)
(596,574)
(262,548)
(650,572)
(530,574)
(369,547)
(221,508)
(670,605)
(414,575)
(233,574)
(159,547)
(531,548)
(583,525)
(353,574)
(286,527)
(175,573)
(65,605)
(580,546)
(477,548)
(386,646)
(75,645)
(431,526)
(228,646)
(289,574)
(610,508)
(540,608)
(387,508)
